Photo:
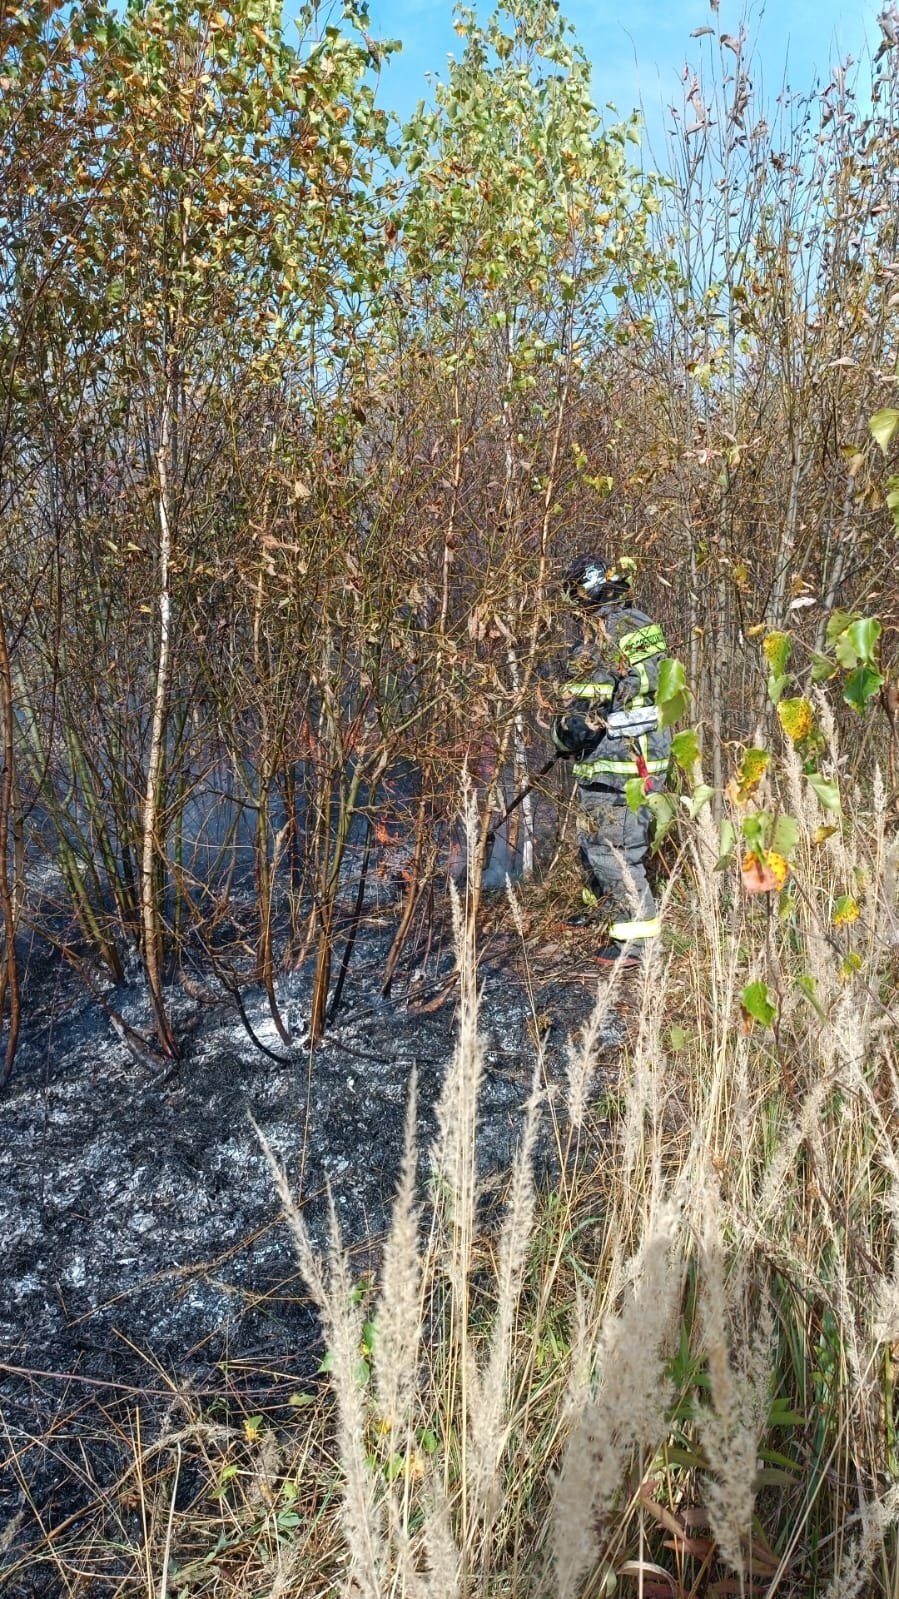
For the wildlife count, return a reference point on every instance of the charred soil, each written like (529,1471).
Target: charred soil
(144,1263)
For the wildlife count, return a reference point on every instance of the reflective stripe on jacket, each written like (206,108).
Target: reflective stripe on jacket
(618,669)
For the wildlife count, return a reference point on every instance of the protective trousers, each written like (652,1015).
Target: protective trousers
(614,841)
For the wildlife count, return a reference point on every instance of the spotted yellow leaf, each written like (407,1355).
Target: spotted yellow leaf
(796,718)
(776,650)
(845,911)
(748,776)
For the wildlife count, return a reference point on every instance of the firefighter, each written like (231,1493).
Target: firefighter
(616,668)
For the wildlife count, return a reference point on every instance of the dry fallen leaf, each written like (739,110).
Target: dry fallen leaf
(764,874)
(645,1568)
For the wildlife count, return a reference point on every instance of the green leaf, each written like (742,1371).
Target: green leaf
(823,668)
(845,910)
(776,1457)
(672,694)
(756,829)
(828,793)
(856,642)
(702,794)
(845,651)
(677,1038)
(861,686)
(883,425)
(663,810)
(634,793)
(689,1459)
(837,624)
(808,987)
(786,902)
(864,633)
(727,838)
(782,1414)
(759,1003)
(685,749)
(786,835)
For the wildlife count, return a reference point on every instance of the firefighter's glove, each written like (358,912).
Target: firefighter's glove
(571,735)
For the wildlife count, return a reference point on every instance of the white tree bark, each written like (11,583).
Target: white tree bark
(150,831)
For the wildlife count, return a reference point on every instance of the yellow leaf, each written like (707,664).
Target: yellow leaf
(773,648)
(797,719)
(778,867)
(748,776)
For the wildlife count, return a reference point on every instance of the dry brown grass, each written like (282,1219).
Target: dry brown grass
(678,1369)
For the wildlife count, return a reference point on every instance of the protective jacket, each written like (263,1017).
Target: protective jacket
(617,669)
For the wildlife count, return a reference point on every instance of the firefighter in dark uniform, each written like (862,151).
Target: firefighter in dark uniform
(615,669)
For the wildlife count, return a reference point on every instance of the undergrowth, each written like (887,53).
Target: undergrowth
(671,1370)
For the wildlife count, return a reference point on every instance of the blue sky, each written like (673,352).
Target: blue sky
(638,47)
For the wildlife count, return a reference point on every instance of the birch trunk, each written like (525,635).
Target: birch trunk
(150,842)
(9,895)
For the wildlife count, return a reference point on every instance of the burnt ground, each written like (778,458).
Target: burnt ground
(142,1253)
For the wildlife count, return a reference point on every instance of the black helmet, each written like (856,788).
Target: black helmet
(591,581)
